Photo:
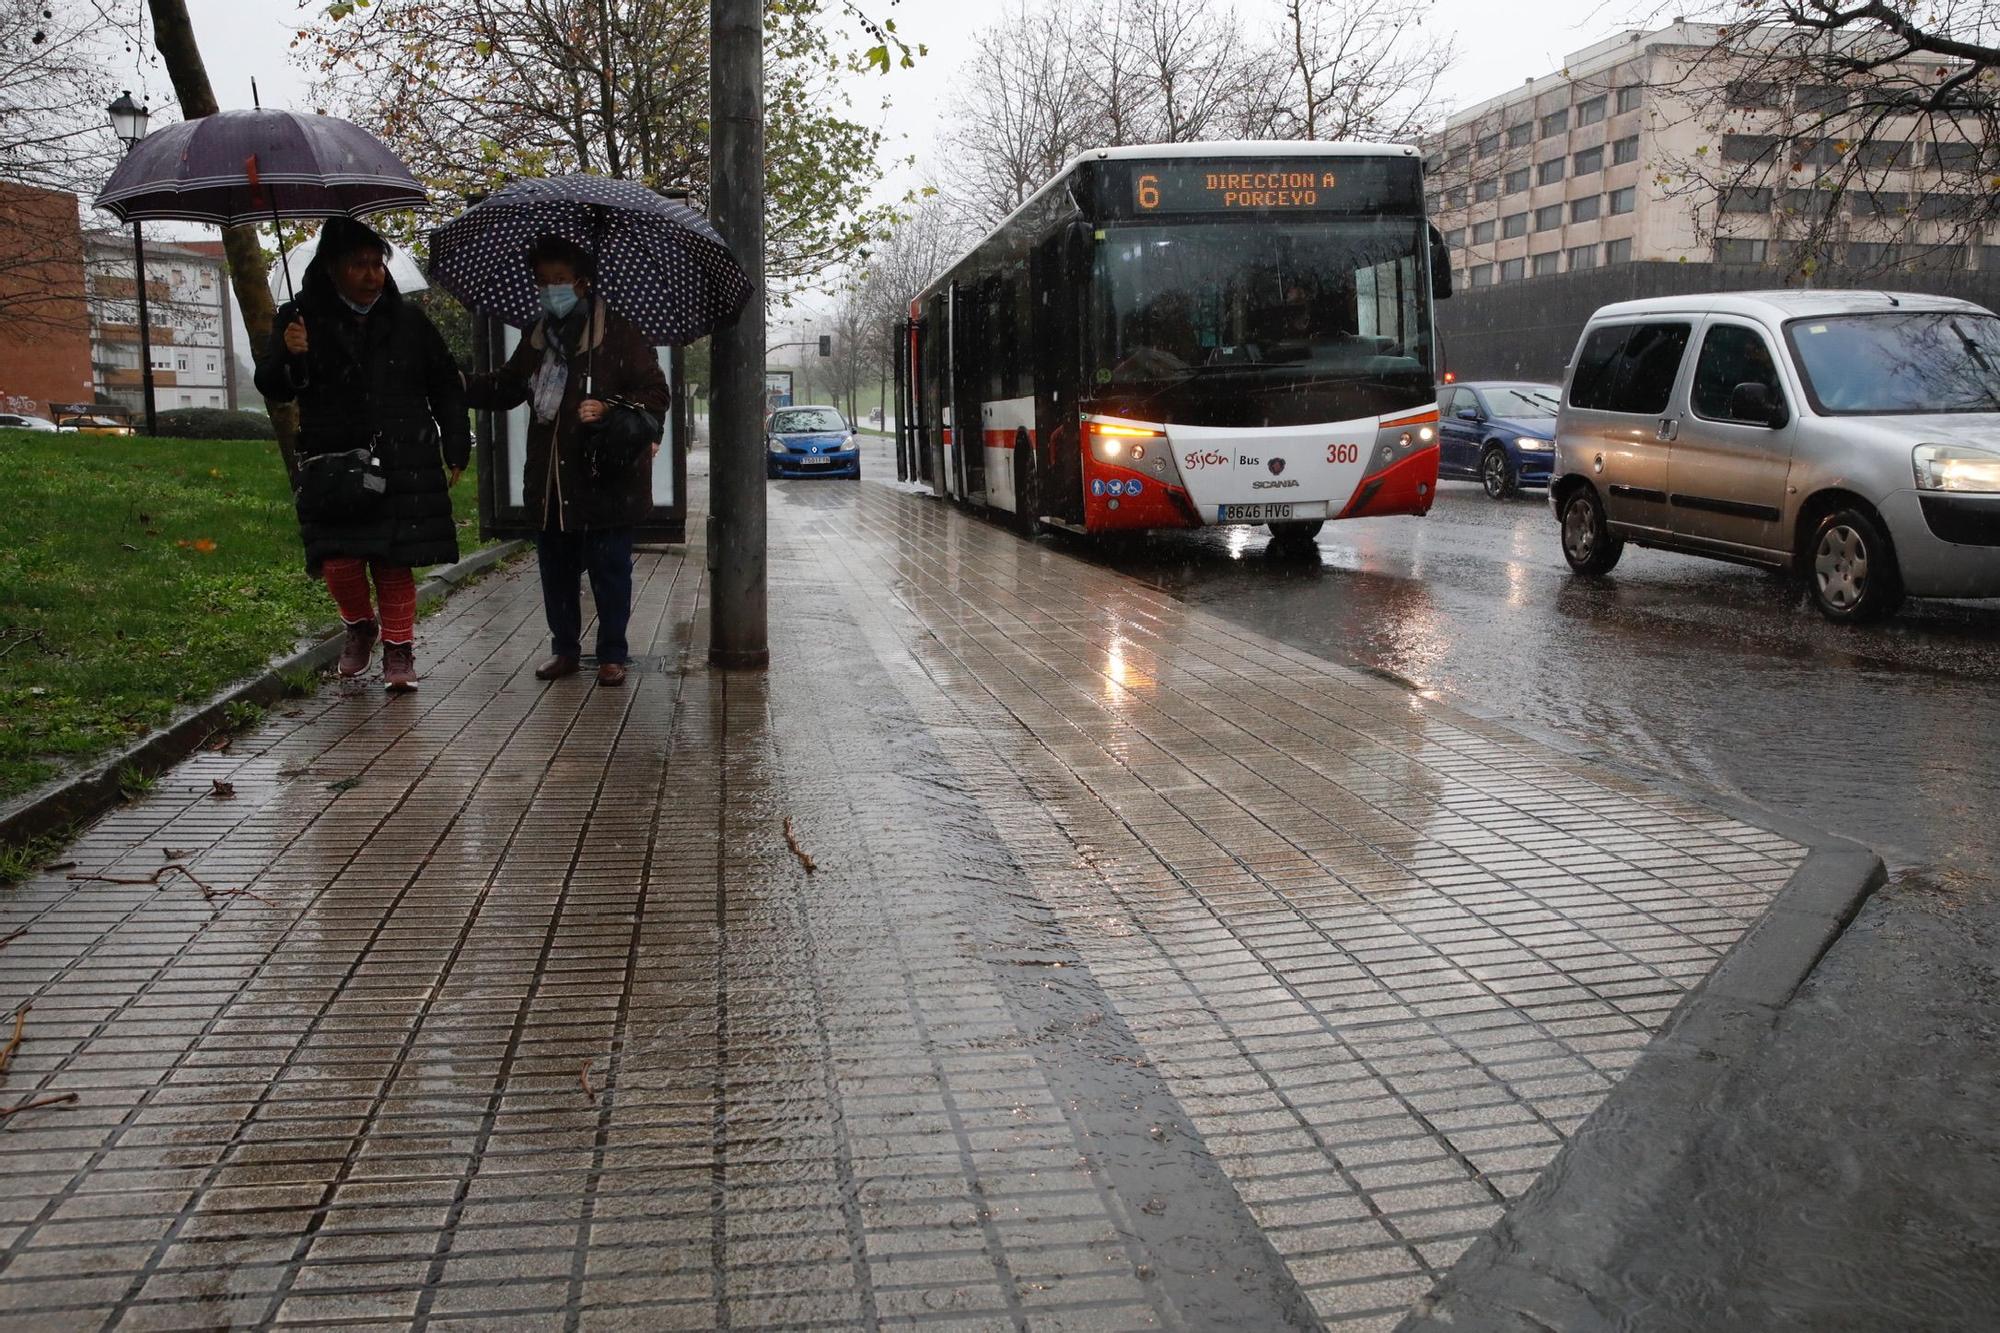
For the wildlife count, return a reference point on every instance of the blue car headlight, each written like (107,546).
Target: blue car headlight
(1533,445)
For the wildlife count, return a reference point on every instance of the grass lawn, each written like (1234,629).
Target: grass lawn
(138,576)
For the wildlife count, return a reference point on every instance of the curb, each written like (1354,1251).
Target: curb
(65,801)
(1551,1261)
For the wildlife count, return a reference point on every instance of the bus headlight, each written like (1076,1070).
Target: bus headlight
(1116,442)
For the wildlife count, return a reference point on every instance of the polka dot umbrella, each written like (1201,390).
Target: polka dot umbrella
(659,263)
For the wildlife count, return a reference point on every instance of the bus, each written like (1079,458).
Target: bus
(1186,335)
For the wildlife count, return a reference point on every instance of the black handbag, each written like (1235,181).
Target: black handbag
(343,486)
(615,443)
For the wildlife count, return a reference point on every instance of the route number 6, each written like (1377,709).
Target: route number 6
(1149,192)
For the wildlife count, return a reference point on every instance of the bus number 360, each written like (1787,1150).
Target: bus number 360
(1343,453)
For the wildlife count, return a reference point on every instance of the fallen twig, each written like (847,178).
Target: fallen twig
(4,942)
(19,1107)
(60,865)
(208,891)
(14,1044)
(792,841)
(583,1077)
(35,637)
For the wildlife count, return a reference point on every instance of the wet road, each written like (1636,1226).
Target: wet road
(1851,1172)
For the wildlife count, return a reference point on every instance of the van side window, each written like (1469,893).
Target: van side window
(1628,367)
(1731,355)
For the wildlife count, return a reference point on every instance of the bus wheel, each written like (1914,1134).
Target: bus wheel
(1296,532)
(1027,487)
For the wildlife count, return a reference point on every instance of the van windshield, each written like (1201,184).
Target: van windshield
(1900,363)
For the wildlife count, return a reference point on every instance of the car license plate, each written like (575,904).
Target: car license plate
(816,462)
(1264,513)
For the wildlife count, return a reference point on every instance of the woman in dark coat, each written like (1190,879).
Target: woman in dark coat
(581,354)
(370,371)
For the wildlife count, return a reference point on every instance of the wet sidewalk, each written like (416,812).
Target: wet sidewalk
(1027,951)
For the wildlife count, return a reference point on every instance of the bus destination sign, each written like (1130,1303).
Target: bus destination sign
(1346,185)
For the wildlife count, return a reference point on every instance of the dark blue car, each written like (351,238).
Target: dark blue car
(1501,435)
(810,442)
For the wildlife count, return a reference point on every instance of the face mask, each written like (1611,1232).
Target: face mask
(558,299)
(358,308)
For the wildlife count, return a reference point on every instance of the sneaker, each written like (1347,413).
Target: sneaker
(355,652)
(399,667)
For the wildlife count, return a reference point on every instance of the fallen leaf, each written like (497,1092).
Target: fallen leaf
(173,854)
(221,790)
(343,784)
(220,745)
(206,545)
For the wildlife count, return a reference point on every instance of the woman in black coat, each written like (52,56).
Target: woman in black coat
(370,372)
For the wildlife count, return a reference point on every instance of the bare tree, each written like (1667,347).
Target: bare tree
(1859,136)
(56,77)
(1360,69)
(1027,109)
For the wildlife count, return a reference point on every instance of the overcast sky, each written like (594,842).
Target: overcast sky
(1499,44)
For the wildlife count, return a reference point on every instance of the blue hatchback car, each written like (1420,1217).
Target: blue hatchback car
(1501,435)
(810,442)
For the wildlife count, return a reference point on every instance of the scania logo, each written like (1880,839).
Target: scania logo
(1277,465)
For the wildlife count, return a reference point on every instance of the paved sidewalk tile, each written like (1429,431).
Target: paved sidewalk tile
(1146,973)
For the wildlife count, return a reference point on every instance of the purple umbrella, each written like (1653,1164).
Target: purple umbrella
(255,166)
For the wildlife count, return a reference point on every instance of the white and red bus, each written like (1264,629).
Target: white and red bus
(1183,335)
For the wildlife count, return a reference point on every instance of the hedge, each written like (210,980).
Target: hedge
(215,423)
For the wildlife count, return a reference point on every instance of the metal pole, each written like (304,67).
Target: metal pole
(145,328)
(738,627)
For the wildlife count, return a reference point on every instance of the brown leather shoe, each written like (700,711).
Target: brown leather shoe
(360,645)
(556,668)
(611,673)
(399,667)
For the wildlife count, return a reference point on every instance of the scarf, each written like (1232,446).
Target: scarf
(552,375)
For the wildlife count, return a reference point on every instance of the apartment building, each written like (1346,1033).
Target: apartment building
(187,296)
(1645,149)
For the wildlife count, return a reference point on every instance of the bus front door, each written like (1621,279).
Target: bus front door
(968,440)
(933,370)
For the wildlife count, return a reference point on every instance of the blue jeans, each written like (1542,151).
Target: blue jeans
(565,557)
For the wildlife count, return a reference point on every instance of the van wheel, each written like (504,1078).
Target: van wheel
(1496,474)
(1851,568)
(1296,532)
(1586,535)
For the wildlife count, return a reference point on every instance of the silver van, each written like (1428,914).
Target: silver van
(1851,436)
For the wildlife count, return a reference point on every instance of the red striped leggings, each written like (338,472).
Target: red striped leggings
(395,589)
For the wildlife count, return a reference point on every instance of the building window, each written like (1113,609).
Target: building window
(1630,98)
(1548,219)
(180,363)
(1455,197)
(1515,181)
(1512,270)
(1873,254)
(1808,203)
(208,364)
(1514,224)
(187,400)
(1879,203)
(1625,200)
(1625,150)
(1618,252)
(1743,199)
(1945,207)
(1739,250)
(1549,172)
(1819,152)
(1556,122)
(1485,190)
(1518,135)
(1547,265)
(1582,257)
(1955,156)
(1482,275)
(1586,209)
(1587,163)
(1482,233)
(1752,95)
(1458,156)
(1893,154)
(1454,238)
(215,400)
(1821,99)
(1749,147)
(1589,113)
(1487,146)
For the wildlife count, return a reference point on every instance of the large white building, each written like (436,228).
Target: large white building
(1623,156)
(188,312)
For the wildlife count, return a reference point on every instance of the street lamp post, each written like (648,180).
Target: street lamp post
(128,122)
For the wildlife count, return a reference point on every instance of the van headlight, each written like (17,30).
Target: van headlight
(1956,467)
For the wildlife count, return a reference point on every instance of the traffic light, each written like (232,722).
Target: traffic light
(825,344)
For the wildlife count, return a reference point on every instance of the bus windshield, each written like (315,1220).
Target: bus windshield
(1262,322)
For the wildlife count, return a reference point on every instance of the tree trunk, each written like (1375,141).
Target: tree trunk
(249,273)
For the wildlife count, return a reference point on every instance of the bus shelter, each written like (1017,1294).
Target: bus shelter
(500,445)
